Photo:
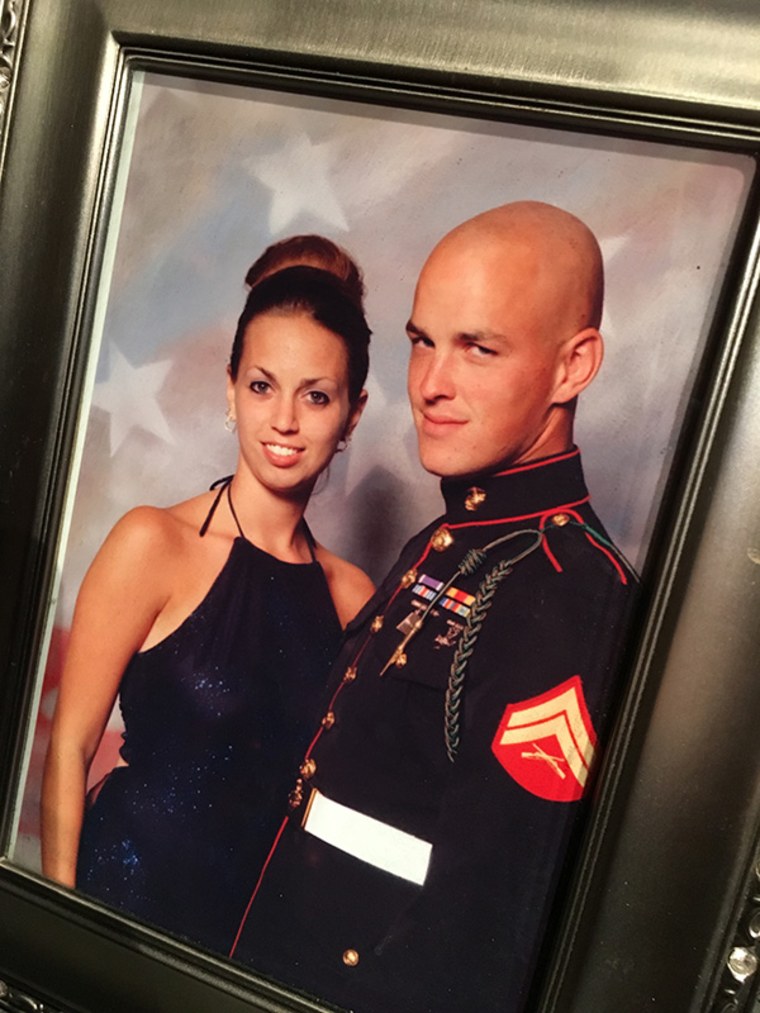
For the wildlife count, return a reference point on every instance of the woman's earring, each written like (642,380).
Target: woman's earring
(345,440)
(230,423)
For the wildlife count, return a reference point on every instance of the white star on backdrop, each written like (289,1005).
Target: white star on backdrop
(129,397)
(299,177)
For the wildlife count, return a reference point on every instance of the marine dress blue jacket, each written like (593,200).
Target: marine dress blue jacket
(430,820)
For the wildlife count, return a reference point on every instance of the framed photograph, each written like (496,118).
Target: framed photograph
(141,181)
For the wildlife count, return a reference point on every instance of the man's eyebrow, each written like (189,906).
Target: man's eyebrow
(482,336)
(476,335)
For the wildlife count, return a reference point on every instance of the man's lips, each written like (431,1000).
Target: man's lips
(436,425)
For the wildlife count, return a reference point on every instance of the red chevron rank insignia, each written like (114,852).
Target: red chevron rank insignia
(548,743)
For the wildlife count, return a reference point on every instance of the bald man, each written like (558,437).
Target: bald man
(430,821)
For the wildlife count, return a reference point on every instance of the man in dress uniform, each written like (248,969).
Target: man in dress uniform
(431,817)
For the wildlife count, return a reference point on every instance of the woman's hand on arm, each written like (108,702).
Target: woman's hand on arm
(123,592)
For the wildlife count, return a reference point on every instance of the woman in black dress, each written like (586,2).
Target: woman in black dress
(215,622)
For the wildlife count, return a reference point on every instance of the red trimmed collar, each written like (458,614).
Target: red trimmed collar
(533,488)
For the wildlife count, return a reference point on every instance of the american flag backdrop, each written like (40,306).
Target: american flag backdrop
(214,173)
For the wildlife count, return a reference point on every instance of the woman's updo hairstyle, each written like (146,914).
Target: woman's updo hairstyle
(326,299)
(309,251)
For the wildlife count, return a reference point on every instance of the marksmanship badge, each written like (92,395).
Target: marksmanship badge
(547,744)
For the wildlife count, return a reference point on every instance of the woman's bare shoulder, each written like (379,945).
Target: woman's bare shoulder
(145,528)
(350,586)
(152,527)
(139,543)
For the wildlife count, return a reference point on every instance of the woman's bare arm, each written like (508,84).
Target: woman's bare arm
(121,595)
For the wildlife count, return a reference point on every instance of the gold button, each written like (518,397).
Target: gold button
(295,798)
(309,768)
(350,958)
(441,539)
(350,674)
(409,578)
(377,624)
(560,520)
(328,720)
(474,498)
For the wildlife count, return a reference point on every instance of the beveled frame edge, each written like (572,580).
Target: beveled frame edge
(11,13)
(116,35)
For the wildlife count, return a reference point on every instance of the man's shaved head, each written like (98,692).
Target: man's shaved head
(546,254)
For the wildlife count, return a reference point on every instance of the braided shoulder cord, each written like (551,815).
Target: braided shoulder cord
(610,546)
(465,647)
(468,639)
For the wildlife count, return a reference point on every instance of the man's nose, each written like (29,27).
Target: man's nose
(437,379)
(284,414)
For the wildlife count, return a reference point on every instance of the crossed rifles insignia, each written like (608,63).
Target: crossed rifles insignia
(547,744)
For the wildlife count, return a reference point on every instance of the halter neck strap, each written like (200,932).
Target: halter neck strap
(225,484)
(221,484)
(232,511)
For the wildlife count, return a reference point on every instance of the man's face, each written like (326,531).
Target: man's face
(484,366)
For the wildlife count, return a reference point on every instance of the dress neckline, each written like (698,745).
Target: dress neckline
(225,485)
(239,544)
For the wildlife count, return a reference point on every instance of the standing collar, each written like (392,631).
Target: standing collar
(525,490)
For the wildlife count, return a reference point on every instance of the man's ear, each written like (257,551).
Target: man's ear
(579,362)
(355,414)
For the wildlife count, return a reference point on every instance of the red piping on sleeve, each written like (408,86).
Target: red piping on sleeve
(611,557)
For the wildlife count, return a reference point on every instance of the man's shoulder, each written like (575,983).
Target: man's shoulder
(575,583)
(563,612)
(579,549)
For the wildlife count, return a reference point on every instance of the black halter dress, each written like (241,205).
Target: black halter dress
(217,717)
